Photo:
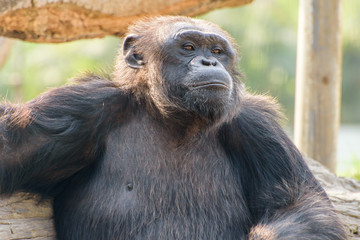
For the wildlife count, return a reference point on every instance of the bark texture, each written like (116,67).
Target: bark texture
(344,194)
(23,217)
(66,20)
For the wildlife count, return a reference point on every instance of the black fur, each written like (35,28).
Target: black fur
(123,162)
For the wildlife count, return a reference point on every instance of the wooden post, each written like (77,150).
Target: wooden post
(318,80)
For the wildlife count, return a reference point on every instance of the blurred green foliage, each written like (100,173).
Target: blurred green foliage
(32,68)
(266,32)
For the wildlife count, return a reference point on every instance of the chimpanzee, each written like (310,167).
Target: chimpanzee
(173,147)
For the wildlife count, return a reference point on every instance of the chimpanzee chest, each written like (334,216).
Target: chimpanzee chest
(151,188)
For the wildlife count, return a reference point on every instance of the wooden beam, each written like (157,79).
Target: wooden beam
(318,80)
(61,21)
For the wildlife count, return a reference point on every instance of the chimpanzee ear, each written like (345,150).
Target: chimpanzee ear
(133,59)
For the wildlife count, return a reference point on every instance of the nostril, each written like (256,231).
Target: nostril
(206,62)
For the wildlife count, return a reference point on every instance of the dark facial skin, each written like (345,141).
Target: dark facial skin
(196,70)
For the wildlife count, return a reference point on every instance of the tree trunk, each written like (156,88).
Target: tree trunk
(22,217)
(66,20)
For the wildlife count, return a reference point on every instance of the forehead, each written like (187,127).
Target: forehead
(195,25)
(178,29)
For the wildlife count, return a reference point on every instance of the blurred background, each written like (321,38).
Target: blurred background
(266,32)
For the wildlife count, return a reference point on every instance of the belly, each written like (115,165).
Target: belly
(154,210)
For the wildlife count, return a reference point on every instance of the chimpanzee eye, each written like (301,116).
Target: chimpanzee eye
(188,47)
(216,51)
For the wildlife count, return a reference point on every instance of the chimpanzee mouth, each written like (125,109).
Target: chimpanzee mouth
(210,84)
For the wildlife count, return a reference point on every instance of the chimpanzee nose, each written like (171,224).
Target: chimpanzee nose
(208,62)
(200,61)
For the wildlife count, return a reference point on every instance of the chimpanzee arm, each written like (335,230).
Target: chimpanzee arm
(284,199)
(50,138)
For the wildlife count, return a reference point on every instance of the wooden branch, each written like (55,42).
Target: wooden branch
(22,217)
(60,21)
(318,80)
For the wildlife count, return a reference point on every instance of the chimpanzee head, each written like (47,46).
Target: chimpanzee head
(181,64)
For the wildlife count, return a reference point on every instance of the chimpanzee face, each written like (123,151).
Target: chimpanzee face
(196,70)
